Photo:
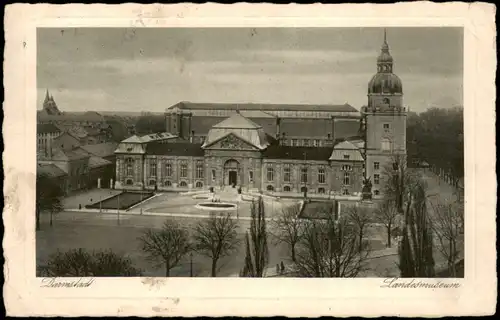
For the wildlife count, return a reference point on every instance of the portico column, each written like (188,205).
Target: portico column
(98,183)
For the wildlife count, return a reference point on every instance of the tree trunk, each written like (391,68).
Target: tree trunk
(293,252)
(37,220)
(214,267)
(167,269)
(51,218)
(389,235)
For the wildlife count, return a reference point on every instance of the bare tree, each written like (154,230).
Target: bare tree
(216,237)
(386,214)
(257,251)
(81,263)
(329,248)
(447,222)
(288,227)
(398,179)
(166,246)
(416,247)
(359,217)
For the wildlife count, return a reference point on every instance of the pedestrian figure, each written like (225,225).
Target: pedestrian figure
(91,200)
(80,206)
(282,267)
(277,268)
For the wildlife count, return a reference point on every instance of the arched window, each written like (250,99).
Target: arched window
(321,190)
(168,183)
(270,188)
(184,169)
(286,189)
(199,184)
(386,101)
(129,166)
(168,169)
(321,175)
(347,178)
(129,182)
(152,182)
(270,173)
(303,189)
(386,144)
(183,184)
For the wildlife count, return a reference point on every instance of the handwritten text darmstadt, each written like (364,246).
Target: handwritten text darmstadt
(60,283)
(399,283)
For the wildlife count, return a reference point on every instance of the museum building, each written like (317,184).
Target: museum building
(324,150)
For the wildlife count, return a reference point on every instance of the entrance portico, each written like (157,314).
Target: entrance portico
(232,172)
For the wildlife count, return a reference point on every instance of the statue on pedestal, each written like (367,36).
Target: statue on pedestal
(366,193)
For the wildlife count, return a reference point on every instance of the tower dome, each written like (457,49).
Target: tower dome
(385,81)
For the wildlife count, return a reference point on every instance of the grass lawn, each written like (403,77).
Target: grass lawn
(121,201)
(123,239)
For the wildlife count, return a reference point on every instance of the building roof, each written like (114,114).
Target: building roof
(96,162)
(68,155)
(243,128)
(175,149)
(42,128)
(149,137)
(298,153)
(237,121)
(50,170)
(101,149)
(346,151)
(265,107)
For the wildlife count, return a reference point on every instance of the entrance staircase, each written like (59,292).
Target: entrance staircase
(229,194)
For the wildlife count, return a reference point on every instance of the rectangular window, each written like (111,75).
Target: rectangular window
(168,169)
(321,175)
(347,178)
(294,142)
(386,126)
(346,157)
(270,174)
(316,142)
(287,173)
(184,170)
(303,175)
(250,176)
(376,178)
(345,192)
(152,168)
(199,170)
(376,165)
(306,143)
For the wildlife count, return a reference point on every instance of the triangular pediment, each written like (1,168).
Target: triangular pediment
(231,141)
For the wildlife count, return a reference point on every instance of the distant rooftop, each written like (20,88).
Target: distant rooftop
(265,107)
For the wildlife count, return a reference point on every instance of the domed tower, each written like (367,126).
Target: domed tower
(384,118)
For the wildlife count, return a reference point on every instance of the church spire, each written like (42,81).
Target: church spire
(385,61)
(46,96)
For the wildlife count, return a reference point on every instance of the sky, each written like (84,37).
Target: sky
(150,69)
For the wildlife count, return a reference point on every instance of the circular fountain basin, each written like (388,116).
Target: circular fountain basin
(216,206)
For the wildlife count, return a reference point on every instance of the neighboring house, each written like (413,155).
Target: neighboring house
(46,133)
(68,141)
(54,172)
(104,151)
(82,170)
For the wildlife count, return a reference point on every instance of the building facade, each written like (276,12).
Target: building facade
(318,150)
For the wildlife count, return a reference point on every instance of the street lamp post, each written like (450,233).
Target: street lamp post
(305,177)
(118,209)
